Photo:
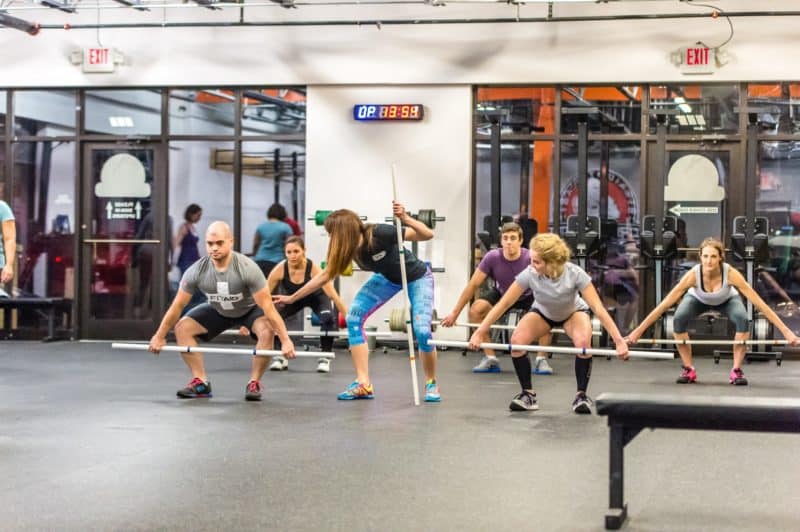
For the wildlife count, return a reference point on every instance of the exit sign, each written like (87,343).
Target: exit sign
(698,60)
(98,60)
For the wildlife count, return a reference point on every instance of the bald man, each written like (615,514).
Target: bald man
(237,295)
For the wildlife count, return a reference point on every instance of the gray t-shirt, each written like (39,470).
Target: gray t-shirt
(230,292)
(556,298)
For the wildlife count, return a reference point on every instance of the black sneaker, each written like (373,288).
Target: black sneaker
(525,401)
(195,388)
(582,404)
(253,391)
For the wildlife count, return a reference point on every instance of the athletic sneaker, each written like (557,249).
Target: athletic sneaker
(432,394)
(195,388)
(279,364)
(324,365)
(582,404)
(487,365)
(542,367)
(737,377)
(688,375)
(356,390)
(524,401)
(253,391)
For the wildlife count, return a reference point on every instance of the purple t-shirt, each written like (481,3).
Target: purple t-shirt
(502,270)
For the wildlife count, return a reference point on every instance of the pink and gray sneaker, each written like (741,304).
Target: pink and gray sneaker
(737,377)
(688,375)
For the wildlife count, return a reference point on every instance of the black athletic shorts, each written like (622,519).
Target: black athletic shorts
(215,323)
(553,323)
(493,296)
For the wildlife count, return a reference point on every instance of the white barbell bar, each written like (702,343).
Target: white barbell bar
(557,330)
(223,350)
(711,342)
(336,334)
(662,355)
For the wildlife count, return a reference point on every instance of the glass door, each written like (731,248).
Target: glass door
(125,242)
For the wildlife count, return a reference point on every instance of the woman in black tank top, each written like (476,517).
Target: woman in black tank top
(321,302)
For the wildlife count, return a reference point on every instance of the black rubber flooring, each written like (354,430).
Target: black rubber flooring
(94,439)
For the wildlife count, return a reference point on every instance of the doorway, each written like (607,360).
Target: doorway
(125,240)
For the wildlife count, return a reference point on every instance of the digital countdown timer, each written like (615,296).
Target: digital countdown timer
(391,111)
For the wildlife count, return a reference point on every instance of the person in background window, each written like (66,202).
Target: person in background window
(270,239)
(186,240)
(291,222)
(8,251)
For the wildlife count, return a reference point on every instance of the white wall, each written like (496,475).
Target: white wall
(546,52)
(349,166)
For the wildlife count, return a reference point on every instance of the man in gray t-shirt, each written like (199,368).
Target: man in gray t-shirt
(502,266)
(237,295)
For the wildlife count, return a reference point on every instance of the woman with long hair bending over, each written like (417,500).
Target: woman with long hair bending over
(563,294)
(374,248)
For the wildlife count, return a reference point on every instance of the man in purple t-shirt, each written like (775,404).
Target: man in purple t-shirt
(502,266)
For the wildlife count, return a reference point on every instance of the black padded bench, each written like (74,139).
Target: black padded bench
(628,414)
(49,307)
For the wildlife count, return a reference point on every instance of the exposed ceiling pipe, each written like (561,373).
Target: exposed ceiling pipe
(31,28)
(418,21)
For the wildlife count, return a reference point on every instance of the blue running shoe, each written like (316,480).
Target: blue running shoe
(542,367)
(487,365)
(356,390)
(432,394)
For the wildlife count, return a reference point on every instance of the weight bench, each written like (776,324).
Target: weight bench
(628,414)
(47,307)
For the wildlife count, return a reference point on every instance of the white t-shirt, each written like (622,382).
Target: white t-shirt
(558,298)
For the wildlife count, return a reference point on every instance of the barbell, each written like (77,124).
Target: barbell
(335,334)
(655,355)
(397,323)
(710,342)
(220,350)
(426,216)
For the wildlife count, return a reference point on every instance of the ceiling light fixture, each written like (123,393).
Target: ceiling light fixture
(64,6)
(135,4)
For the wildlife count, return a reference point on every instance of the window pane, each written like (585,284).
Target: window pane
(128,112)
(273,111)
(44,207)
(201,112)
(778,200)
(778,106)
(612,265)
(192,180)
(271,173)
(696,108)
(2,112)
(44,113)
(619,108)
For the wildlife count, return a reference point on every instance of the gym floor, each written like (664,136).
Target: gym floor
(95,439)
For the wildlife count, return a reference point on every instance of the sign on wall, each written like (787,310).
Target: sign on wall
(696,59)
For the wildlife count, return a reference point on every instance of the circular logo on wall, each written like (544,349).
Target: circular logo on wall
(623,204)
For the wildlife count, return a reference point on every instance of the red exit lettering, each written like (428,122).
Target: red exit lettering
(98,56)
(697,56)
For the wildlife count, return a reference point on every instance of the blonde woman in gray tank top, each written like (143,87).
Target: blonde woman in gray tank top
(711,285)
(563,294)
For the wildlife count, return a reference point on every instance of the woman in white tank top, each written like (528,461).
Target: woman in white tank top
(712,285)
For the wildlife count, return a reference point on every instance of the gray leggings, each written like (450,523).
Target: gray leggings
(691,307)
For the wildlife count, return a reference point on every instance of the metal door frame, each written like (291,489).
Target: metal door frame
(88,327)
